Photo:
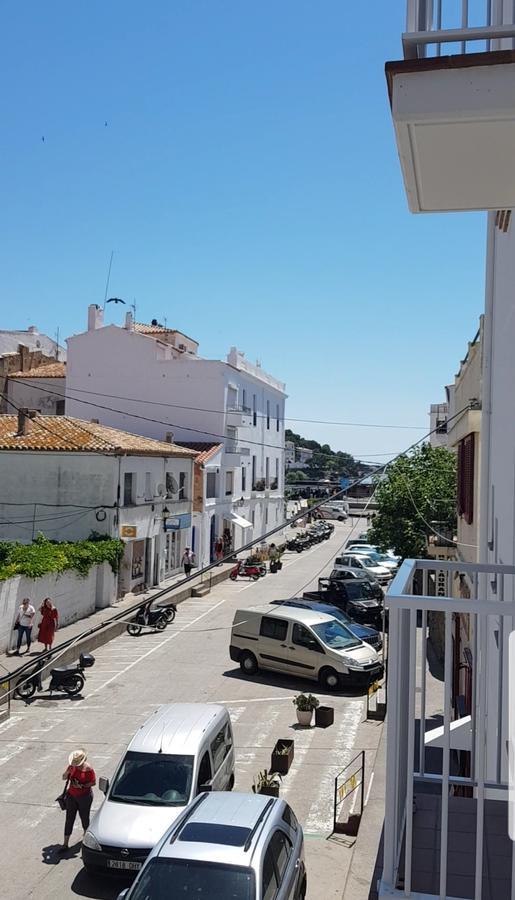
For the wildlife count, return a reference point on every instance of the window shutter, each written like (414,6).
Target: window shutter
(466,450)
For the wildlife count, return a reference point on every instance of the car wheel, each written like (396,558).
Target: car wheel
(248,663)
(329,679)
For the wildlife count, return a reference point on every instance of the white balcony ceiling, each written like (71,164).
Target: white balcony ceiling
(455,129)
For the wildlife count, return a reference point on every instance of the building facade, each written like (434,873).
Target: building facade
(66,478)
(150,380)
(438,415)
(41,387)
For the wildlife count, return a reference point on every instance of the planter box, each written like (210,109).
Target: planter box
(324,716)
(281,762)
(270,791)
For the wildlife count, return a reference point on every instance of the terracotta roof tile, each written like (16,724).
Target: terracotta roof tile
(45,370)
(142,328)
(63,433)
(204,449)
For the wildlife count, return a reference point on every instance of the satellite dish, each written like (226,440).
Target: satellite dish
(161,490)
(171,485)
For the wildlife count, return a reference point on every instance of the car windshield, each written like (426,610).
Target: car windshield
(153,779)
(171,879)
(335,635)
(358,590)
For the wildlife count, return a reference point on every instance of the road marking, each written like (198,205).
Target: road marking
(369,788)
(246,700)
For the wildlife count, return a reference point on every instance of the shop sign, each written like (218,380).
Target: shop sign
(177,523)
(128,531)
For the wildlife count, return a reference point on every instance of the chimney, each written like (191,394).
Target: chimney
(24,357)
(95,421)
(24,416)
(129,322)
(95,317)
(32,329)
(169,437)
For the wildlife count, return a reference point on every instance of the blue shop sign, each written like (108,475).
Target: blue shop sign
(177,523)
(344,483)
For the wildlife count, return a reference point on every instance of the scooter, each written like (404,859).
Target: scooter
(149,618)
(246,570)
(69,679)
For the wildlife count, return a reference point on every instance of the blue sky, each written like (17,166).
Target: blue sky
(248,182)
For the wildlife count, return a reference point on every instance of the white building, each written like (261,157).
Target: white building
(41,387)
(150,380)
(438,415)
(66,478)
(453,108)
(289,454)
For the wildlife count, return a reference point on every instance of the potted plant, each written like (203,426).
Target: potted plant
(267,783)
(305,704)
(324,716)
(282,756)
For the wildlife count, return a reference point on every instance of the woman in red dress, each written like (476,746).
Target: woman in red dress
(49,623)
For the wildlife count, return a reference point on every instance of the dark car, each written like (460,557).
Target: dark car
(354,597)
(351,574)
(363,632)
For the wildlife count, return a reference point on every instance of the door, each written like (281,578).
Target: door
(222,754)
(273,645)
(279,872)
(205,771)
(305,653)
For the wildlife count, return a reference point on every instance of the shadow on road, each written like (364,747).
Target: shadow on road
(296,685)
(98,887)
(52,857)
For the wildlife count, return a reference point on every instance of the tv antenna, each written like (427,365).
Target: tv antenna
(108,277)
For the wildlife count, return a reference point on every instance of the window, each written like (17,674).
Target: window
(253,473)
(148,486)
(281,849)
(289,818)
(157,779)
(266,515)
(270,885)
(194,878)
(441,426)
(254,410)
(253,517)
(273,628)
(59,408)
(275,482)
(244,399)
(229,483)
(128,488)
(267,472)
(204,773)
(466,478)
(183,485)
(268,414)
(221,746)
(243,478)
(210,484)
(171,485)
(303,638)
(277,419)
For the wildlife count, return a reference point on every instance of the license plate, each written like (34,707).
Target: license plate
(123,864)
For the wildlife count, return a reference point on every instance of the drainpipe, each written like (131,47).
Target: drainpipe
(485,512)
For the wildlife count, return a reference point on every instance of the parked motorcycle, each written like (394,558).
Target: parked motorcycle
(247,570)
(69,679)
(148,618)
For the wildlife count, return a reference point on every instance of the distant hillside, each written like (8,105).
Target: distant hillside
(325,462)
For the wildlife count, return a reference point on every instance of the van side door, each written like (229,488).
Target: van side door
(273,643)
(222,754)
(306,654)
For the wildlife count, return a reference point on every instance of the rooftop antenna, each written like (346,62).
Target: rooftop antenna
(133,307)
(57,343)
(165,320)
(108,277)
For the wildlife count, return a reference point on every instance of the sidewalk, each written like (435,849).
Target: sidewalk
(9,662)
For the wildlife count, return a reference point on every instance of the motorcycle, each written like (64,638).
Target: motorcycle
(149,618)
(69,679)
(247,570)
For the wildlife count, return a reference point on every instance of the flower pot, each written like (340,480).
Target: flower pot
(324,716)
(282,761)
(304,717)
(270,791)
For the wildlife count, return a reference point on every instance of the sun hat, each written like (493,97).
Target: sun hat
(77,757)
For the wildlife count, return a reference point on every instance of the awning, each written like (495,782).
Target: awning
(239,520)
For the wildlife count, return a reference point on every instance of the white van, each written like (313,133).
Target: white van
(181,750)
(335,509)
(301,642)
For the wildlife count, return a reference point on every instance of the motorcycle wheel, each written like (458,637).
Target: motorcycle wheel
(170,613)
(25,691)
(74,685)
(161,623)
(233,577)
(133,629)
(255,577)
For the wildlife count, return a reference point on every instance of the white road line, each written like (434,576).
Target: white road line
(252,700)
(369,788)
(158,647)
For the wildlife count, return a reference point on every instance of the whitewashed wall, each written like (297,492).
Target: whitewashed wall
(74,597)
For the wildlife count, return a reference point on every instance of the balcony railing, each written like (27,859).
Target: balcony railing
(237,449)
(436,27)
(447,731)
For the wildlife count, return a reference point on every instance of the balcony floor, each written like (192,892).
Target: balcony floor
(462,849)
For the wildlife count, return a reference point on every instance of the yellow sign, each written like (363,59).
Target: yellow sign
(128,531)
(347,787)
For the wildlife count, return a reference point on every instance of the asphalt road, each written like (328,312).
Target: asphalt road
(131,677)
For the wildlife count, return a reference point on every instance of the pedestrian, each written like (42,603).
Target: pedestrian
(78,793)
(188,560)
(219,550)
(49,623)
(23,624)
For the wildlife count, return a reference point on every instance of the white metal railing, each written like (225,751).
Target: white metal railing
(420,588)
(469,25)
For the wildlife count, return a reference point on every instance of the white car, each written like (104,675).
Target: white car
(382,574)
(382,559)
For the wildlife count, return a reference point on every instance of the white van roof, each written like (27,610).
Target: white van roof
(177,728)
(295,614)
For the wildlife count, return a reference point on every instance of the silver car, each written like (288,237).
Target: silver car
(231,846)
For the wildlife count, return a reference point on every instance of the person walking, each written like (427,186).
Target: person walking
(49,623)
(188,560)
(24,621)
(219,550)
(80,781)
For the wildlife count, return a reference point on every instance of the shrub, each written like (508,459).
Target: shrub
(44,556)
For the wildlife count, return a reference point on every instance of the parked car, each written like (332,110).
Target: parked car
(227,846)
(354,597)
(182,749)
(364,632)
(361,561)
(382,559)
(301,642)
(347,573)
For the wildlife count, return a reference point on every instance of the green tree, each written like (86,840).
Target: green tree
(416,497)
